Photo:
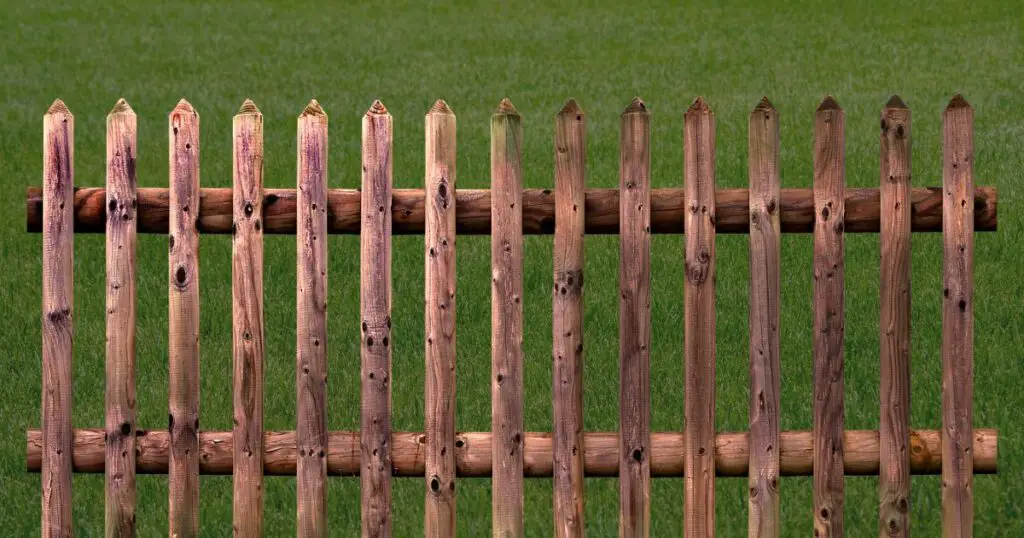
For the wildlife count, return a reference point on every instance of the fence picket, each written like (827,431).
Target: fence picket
(765,245)
(894,322)
(58,297)
(439,235)
(311,320)
(829,183)
(122,149)
(247,315)
(507,320)
(635,321)
(699,149)
(183,321)
(375,324)
(958,319)
(567,321)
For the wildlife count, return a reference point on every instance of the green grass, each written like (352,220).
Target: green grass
(602,54)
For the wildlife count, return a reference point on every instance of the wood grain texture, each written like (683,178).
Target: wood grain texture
(122,150)
(699,340)
(507,320)
(894,322)
(829,323)
(796,211)
(635,321)
(957,319)
(247,315)
(765,245)
(58,295)
(311,322)
(473,453)
(439,236)
(375,323)
(183,321)
(569,452)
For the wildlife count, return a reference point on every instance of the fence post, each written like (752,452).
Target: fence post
(635,321)
(183,321)
(699,150)
(375,305)
(122,150)
(247,315)
(829,328)
(765,244)
(567,321)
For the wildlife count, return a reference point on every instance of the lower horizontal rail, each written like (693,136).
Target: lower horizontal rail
(473,210)
(473,453)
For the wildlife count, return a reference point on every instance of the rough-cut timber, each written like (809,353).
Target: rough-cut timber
(635,321)
(473,453)
(957,319)
(829,182)
(183,321)
(567,320)
(507,320)
(122,150)
(375,323)
(439,235)
(247,315)
(796,211)
(894,324)
(311,319)
(58,268)
(699,151)
(765,244)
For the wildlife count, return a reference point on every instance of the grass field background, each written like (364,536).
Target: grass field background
(600,53)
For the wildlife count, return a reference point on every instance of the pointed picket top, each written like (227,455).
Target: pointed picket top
(377,109)
(571,108)
(58,107)
(184,106)
(506,108)
(958,101)
(829,103)
(764,105)
(312,109)
(636,106)
(699,106)
(248,107)
(896,102)
(121,107)
(440,107)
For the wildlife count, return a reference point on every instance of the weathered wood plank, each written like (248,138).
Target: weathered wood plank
(699,399)
(183,321)
(957,319)
(894,322)
(568,448)
(311,322)
(122,150)
(796,211)
(473,453)
(375,324)
(507,320)
(247,315)
(765,245)
(635,321)
(439,235)
(829,324)
(58,296)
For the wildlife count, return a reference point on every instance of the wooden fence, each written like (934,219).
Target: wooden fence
(507,454)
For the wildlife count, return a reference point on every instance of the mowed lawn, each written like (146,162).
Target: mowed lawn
(603,55)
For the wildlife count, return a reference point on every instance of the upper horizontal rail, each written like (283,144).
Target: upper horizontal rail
(473,210)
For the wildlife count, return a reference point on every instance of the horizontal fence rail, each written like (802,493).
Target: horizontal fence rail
(473,210)
(440,456)
(473,453)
